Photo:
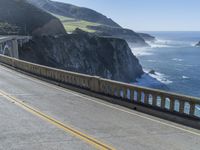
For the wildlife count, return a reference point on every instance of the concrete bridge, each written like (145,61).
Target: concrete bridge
(43,108)
(9,44)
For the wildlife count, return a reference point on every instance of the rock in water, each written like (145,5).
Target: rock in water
(84,53)
(152,72)
(198,44)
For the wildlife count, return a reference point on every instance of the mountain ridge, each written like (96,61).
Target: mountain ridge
(65,9)
(107,27)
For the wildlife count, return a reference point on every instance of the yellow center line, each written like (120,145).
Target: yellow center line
(90,140)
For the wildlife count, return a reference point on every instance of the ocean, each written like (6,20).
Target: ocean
(176,62)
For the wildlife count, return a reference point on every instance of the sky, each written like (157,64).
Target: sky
(148,15)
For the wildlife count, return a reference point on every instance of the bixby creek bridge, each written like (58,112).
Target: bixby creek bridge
(43,108)
(9,44)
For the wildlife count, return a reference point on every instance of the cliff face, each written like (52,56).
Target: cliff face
(20,17)
(84,53)
(73,11)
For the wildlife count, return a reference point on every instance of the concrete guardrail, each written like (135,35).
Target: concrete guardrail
(155,99)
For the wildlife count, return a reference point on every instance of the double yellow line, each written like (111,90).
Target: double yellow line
(97,144)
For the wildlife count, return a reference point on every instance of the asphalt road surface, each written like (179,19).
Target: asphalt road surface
(36,115)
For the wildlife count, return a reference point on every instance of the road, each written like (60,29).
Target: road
(38,115)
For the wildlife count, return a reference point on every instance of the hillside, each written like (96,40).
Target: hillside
(72,24)
(89,20)
(71,11)
(20,17)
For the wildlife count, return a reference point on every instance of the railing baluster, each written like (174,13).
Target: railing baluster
(124,93)
(146,98)
(181,108)
(131,94)
(154,100)
(163,102)
(113,90)
(172,103)
(139,96)
(118,92)
(192,109)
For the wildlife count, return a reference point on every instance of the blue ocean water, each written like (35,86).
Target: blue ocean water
(175,59)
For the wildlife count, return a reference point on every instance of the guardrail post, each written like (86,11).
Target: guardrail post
(95,84)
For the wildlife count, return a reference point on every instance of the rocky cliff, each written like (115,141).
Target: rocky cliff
(84,53)
(20,17)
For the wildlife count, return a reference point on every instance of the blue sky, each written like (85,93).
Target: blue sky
(148,15)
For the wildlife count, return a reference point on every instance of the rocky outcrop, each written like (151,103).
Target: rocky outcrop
(28,19)
(198,44)
(147,37)
(85,53)
(130,36)
(73,11)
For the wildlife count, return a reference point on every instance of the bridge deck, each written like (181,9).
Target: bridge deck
(98,122)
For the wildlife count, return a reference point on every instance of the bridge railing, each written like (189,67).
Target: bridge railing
(155,99)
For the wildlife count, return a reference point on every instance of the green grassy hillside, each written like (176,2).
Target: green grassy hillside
(71,24)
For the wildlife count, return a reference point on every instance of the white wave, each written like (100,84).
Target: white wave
(198,107)
(160,43)
(185,77)
(159,76)
(151,60)
(177,59)
(141,51)
(147,81)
